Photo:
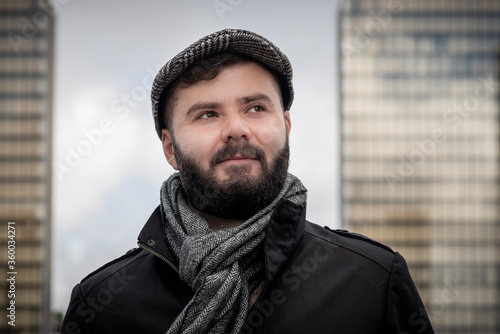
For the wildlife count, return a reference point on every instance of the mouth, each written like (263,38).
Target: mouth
(237,154)
(238,158)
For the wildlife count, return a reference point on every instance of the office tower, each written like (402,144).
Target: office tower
(420,147)
(26,38)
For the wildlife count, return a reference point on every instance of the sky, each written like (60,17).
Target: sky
(108,164)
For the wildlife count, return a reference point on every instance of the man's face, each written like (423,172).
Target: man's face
(231,141)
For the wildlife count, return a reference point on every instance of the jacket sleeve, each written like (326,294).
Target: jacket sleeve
(405,311)
(75,320)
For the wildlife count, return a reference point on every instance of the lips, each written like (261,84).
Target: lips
(238,157)
(237,152)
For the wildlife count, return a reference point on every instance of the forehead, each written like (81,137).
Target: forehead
(233,81)
(211,69)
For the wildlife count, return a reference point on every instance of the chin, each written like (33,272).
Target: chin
(239,172)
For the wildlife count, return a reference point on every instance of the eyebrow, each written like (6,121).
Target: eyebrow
(202,105)
(256,97)
(215,105)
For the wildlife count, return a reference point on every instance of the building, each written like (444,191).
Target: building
(420,147)
(26,53)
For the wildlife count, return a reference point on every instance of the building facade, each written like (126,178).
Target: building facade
(26,49)
(419,117)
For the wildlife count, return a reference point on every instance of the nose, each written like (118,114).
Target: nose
(236,128)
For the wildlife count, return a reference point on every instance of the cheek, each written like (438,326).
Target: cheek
(272,135)
(197,146)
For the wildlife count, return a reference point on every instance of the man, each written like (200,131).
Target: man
(229,250)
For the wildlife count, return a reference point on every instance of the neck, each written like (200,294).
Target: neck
(216,223)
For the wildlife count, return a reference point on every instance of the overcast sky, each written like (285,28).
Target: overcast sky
(108,162)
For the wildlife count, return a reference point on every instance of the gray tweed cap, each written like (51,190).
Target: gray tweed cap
(240,41)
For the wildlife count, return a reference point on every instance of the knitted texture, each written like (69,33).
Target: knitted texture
(228,40)
(222,267)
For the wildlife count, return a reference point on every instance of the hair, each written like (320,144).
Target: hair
(205,69)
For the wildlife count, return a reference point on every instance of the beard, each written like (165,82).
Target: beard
(241,195)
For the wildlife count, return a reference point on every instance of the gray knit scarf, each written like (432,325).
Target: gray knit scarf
(222,267)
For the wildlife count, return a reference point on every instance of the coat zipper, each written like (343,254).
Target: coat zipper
(158,255)
(254,306)
(252,309)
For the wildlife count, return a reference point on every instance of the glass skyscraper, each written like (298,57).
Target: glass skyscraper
(420,147)
(26,38)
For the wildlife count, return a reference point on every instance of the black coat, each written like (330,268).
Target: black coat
(318,281)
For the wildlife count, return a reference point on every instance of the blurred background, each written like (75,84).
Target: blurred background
(394,133)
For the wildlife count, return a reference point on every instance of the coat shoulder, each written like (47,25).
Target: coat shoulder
(104,273)
(356,243)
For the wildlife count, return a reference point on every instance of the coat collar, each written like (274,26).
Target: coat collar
(283,234)
(151,237)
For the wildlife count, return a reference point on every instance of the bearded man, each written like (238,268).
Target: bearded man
(229,249)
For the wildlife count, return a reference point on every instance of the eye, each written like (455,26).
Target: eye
(256,108)
(207,115)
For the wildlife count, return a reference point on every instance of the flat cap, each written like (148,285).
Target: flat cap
(238,41)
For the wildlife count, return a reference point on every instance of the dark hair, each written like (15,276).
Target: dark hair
(204,69)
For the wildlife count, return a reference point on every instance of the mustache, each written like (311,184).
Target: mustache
(232,149)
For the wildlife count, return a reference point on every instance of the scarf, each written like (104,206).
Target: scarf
(222,267)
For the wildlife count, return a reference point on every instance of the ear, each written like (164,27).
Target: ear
(288,122)
(168,148)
